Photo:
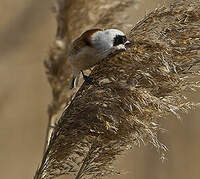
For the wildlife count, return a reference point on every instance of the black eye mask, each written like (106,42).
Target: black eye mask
(119,39)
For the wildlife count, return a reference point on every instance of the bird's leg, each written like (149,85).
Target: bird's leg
(87,78)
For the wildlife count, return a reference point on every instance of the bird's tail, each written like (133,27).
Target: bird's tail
(75,79)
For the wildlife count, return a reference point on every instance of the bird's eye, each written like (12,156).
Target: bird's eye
(119,39)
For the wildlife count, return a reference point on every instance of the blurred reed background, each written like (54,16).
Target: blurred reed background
(26,33)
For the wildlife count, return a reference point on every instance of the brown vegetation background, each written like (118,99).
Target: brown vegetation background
(27,30)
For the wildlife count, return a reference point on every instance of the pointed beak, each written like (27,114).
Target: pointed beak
(127,43)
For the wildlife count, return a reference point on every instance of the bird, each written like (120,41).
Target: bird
(91,47)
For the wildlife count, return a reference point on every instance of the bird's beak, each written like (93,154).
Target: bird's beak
(127,43)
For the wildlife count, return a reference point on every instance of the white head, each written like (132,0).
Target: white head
(108,41)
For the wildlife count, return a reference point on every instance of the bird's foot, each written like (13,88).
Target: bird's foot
(88,79)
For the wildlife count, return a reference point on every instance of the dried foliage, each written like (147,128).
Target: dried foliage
(133,91)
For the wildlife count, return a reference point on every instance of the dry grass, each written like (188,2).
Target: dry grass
(133,91)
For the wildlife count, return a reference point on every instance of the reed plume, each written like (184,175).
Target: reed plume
(133,92)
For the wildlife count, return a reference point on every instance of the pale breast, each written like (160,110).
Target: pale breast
(86,58)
